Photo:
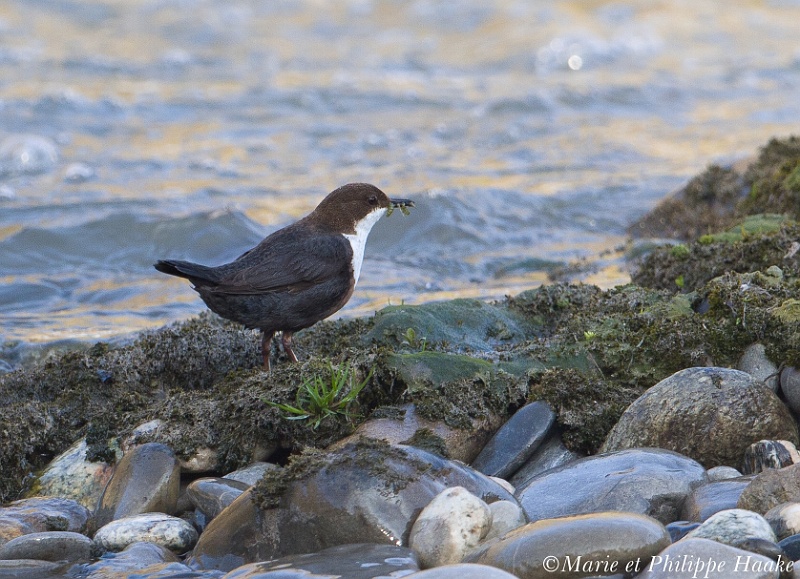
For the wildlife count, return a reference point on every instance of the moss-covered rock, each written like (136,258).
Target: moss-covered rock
(721,196)
(457,325)
(757,243)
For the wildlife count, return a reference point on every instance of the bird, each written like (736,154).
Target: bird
(298,275)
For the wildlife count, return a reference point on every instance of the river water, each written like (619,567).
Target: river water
(530,134)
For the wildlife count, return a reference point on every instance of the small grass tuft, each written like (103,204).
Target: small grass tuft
(321,397)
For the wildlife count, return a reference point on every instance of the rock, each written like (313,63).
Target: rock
(146,480)
(462,571)
(679,529)
(791,546)
(470,323)
(202,460)
(712,497)
(241,534)
(784,519)
(449,526)
(693,558)
(790,386)
(770,550)
(406,426)
(681,411)
(40,514)
(754,361)
(211,495)
(766,454)
(10,528)
(134,558)
(358,561)
(550,454)
(367,492)
(733,526)
(722,473)
(504,483)
(771,488)
(169,532)
(30,569)
(251,474)
(71,476)
(515,441)
(647,481)
(506,516)
(49,546)
(598,543)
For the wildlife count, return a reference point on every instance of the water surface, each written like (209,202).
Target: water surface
(529,133)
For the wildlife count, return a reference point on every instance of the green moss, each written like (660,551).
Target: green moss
(773,180)
(788,312)
(758,243)
(679,251)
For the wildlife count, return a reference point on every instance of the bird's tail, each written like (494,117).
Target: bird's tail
(194,272)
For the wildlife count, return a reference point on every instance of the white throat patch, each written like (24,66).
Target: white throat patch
(358,240)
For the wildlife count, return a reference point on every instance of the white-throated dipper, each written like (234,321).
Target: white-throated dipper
(298,275)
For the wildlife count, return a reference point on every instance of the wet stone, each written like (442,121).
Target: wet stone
(408,427)
(450,525)
(713,497)
(771,488)
(251,474)
(647,481)
(679,529)
(70,475)
(167,531)
(355,561)
(39,514)
(211,495)
(516,440)
(10,528)
(369,492)
(790,386)
(791,546)
(765,454)
(722,473)
(49,546)
(550,454)
(733,526)
(31,569)
(462,571)
(784,519)
(147,479)
(611,541)
(133,558)
(506,516)
(733,405)
(754,361)
(683,560)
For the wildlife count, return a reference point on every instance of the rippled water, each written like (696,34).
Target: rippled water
(529,133)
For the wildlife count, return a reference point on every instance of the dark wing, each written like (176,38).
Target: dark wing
(285,261)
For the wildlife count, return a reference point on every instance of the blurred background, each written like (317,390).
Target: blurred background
(530,134)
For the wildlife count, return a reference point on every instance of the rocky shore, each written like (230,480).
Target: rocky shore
(649,430)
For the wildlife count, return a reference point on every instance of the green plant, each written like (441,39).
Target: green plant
(411,340)
(320,397)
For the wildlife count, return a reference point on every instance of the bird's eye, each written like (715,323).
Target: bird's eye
(373,200)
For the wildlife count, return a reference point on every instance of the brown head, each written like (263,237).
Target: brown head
(353,204)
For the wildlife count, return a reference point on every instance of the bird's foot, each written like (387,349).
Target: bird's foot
(286,340)
(266,348)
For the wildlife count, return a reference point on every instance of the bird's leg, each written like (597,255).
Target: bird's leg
(266,347)
(286,339)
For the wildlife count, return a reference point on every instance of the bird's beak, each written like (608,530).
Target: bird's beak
(401,202)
